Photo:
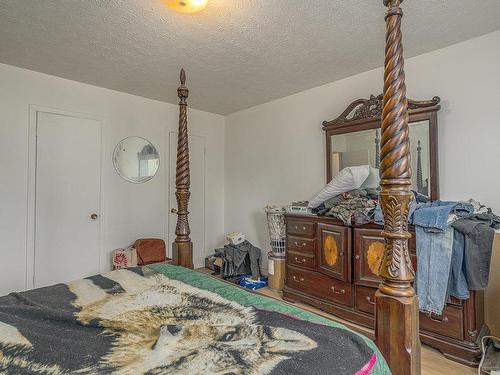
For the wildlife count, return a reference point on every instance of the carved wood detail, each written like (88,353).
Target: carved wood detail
(377,149)
(396,327)
(371,109)
(418,111)
(182,248)
(452,333)
(420,180)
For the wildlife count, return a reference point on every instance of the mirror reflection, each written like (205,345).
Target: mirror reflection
(363,148)
(136,159)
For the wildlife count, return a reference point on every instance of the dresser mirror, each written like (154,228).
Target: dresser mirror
(354,138)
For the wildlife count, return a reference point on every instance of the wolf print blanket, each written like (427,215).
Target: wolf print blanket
(169,320)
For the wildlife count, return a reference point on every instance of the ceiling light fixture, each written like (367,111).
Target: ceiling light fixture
(187,6)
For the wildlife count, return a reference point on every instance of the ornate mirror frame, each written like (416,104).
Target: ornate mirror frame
(366,114)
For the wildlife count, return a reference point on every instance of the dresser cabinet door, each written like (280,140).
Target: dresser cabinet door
(334,251)
(368,252)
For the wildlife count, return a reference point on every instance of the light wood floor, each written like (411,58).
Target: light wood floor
(433,362)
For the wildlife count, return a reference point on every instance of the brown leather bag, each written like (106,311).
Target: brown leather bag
(150,250)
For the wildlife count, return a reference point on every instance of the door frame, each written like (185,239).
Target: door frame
(29,281)
(171,190)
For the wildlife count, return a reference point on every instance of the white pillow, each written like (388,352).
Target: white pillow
(373,179)
(348,179)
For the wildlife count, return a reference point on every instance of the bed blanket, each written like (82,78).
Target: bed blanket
(164,319)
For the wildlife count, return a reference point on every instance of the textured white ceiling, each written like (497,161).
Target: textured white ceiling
(237,53)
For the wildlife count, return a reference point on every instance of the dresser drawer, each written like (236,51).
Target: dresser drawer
(303,260)
(321,286)
(301,228)
(365,299)
(449,324)
(301,244)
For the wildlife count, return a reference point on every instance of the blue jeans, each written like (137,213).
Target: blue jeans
(434,238)
(435,214)
(458,286)
(434,253)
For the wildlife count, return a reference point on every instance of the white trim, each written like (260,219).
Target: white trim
(31,186)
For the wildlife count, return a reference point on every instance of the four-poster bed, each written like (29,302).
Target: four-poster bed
(396,304)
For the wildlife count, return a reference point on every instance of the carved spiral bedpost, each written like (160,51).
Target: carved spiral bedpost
(420,180)
(377,149)
(182,248)
(396,327)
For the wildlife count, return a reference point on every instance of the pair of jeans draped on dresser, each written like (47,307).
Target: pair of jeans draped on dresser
(438,271)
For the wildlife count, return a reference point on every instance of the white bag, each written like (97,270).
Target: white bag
(235,238)
(348,179)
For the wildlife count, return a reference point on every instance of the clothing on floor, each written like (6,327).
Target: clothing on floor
(240,259)
(490,360)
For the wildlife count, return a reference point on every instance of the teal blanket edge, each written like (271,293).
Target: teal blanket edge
(247,298)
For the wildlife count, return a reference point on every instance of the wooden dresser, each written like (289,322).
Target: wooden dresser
(334,268)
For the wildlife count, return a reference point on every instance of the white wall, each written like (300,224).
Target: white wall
(275,152)
(130,211)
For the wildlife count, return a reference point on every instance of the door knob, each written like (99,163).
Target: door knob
(173,210)
(94,216)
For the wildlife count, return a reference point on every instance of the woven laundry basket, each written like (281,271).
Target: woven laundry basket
(277,229)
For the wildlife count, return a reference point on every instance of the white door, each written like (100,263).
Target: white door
(197,199)
(67,209)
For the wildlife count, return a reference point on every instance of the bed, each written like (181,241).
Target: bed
(166,319)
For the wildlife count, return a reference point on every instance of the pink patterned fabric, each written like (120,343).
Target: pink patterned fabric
(369,366)
(124,258)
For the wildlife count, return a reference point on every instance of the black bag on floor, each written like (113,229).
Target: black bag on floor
(490,362)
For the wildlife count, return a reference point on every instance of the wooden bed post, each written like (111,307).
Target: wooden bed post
(396,313)
(182,248)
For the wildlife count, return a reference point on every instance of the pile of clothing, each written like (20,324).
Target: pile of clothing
(240,259)
(454,240)
(351,196)
(454,246)
(454,243)
(356,206)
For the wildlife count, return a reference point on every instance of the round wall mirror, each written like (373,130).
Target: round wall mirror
(136,159)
